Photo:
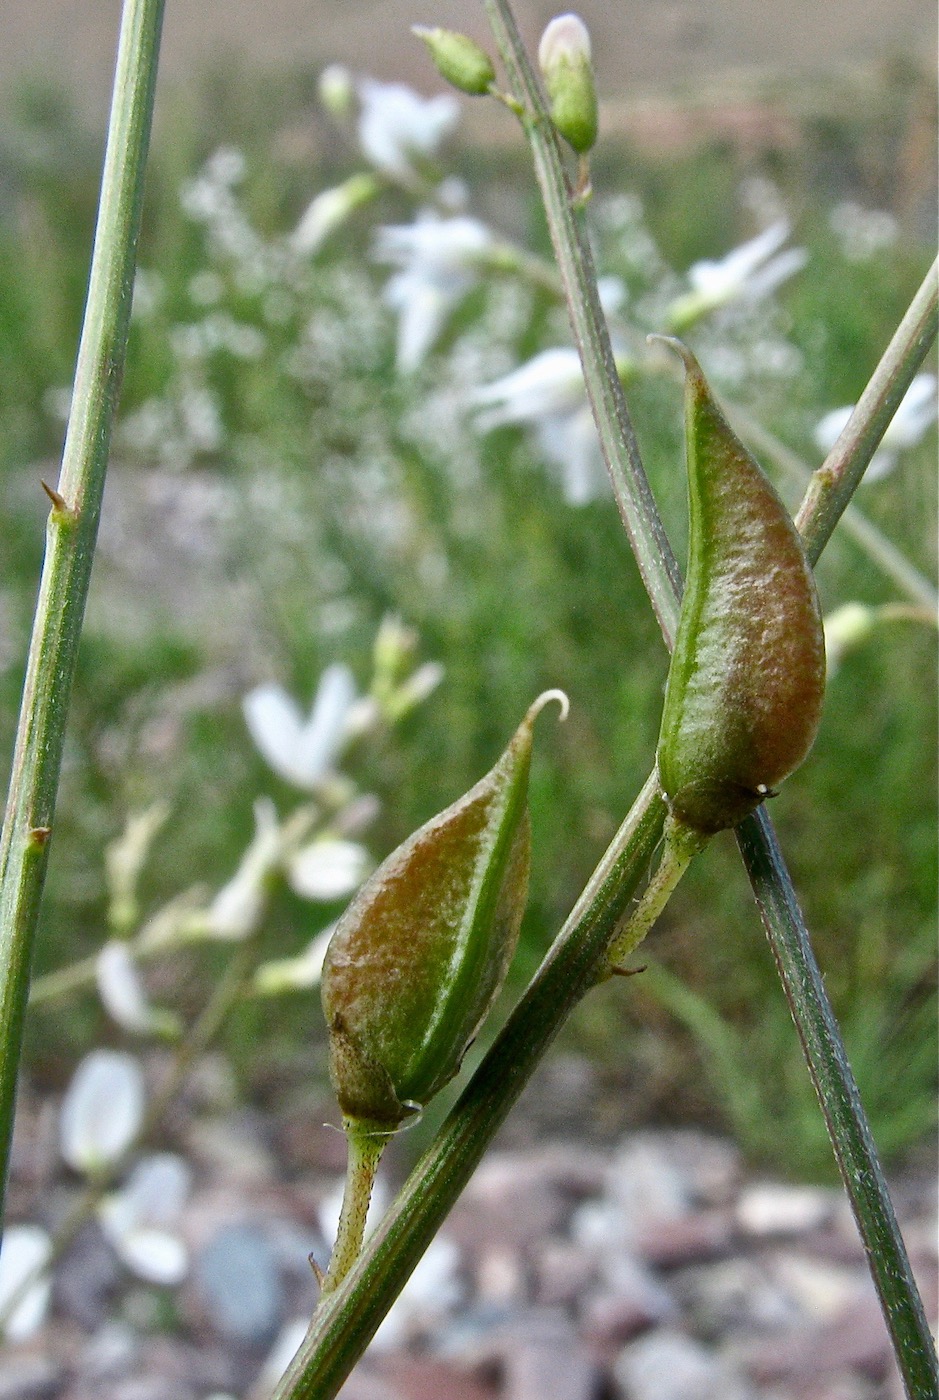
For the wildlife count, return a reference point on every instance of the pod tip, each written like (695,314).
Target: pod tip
(545,698)
(680,348)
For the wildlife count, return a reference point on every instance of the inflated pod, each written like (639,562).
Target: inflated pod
(744,694)
(420,954)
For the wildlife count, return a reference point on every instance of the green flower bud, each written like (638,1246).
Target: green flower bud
(419,956)
(564,57)
(459,59)
(747,678)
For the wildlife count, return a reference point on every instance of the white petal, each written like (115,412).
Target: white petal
(328,870)
(829,429)
(102,1109)
(324,732)
(120,987)
(724,278)
(236,909)
(571,444)
(423,312)
(778,270)
(157,1188)
(295,974)
(154,1255)
(25,1249)
(551,382)
(275,723)
(396,124)
(916,411)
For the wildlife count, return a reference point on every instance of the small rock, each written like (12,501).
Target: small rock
(563,1273)
(736,1293)
(704,1235)
(239,1283)
(855,1340)
(773,1208)
(112,1351)
(86,1278)
(667,1365)
(29,1377)
(648,1184)
(545,1360)
(632,1301)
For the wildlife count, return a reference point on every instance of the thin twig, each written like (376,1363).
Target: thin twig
(71,534)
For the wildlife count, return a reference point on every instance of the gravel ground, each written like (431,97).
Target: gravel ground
(654,1267)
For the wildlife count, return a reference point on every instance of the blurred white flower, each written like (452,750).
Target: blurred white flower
(915,414)
(138,1220)
(24,1253)
(846,628)
(336,90)
(748,274)
(548,393)
(236,909)
(122,993)
(328,869)
(862,233)
(294,974)
(124,859)
(329,211)
(302,751)
(438,261)
(397,125)
(102,1110)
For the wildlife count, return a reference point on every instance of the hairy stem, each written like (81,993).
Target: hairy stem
(365,1146)
(71,534)
(679,849)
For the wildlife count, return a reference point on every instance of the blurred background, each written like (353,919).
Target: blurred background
(355,521)
(286,474)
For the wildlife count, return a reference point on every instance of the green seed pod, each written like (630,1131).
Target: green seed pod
(747,679)
(420,954)
(565,62)
(459,59)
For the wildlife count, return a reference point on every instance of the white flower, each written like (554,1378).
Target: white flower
(138,1219)
(123,995)
(328,869)
(294,974)
(438,261)
(24,1254)
(302,751)
(330,210)
(914,415)
(236,909)
(396,125)
(102,1110)
(748,273)
(548,393)
(862,233)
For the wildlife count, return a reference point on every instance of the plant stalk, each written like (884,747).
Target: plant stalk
(365,1147)
(70,535)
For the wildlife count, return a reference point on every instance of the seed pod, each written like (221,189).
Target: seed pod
(565,61)
(420,954)
(459,59)
(745,687)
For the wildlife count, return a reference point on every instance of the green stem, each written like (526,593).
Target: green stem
(836,480)
(345,1322)
(680,847)
(365,1147)
(838,1095)
(653,553)
(70,537)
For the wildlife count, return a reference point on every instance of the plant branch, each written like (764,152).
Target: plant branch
(836,480)
(837,1092)
(71,534)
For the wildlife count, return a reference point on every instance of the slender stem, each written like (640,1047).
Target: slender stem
(680,847)
(345,1322)
(838,1095)
(365,1146)
(883,552)
(657,564)
(71,533)
(837,478)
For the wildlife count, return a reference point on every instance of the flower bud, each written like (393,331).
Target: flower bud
(336,91)
(420,954)
(747,678)
(564,57)
(459,59)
